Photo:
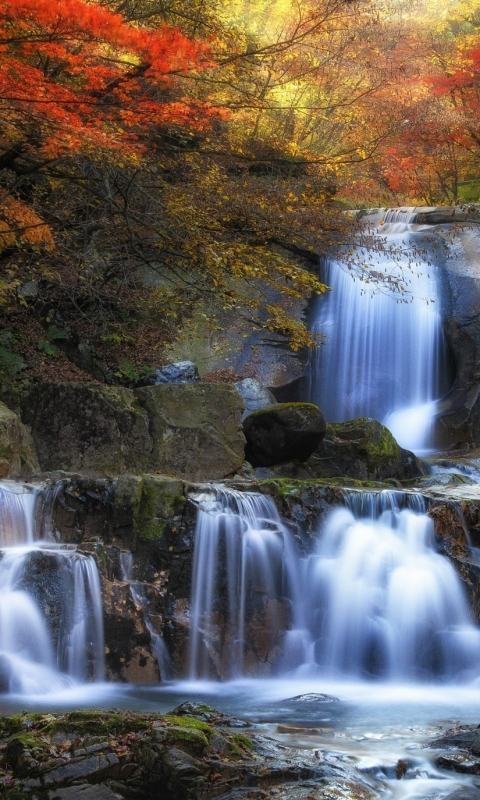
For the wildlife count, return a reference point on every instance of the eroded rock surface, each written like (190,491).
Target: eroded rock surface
(17,451)
(178,756)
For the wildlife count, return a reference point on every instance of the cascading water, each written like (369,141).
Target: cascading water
(382,602)
(245,565)
(374,599)
(385,356)
(40,581)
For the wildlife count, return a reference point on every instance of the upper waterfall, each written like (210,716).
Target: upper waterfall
(385,354)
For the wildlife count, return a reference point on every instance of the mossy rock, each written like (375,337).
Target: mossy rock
(17,451)
(88,427)
(365,450)
(196,429)
(283,432)
(159,499)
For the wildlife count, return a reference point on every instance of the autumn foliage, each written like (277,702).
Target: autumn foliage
(73,75)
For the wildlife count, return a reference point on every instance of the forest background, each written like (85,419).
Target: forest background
(165,160)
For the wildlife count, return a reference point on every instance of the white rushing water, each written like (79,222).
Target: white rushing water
(373,600)
(385,356)
(51,619)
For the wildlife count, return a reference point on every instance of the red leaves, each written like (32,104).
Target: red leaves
(73,74)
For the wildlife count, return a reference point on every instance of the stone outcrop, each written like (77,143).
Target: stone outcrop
(17,451)
(191,431)
(192,753)
(88,427)
(284,432)
(362,449)
(195,429)
(458,422)
(255,396)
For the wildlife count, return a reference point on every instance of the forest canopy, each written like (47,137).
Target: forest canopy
(165,159)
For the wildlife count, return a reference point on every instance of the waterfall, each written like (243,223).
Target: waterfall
(385,356)
(245,565)
(51,619)
(382,602)
(374,599)
(140,598)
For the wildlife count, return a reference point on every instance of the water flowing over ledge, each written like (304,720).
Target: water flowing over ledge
(385,356)
(373,599)
(51,618)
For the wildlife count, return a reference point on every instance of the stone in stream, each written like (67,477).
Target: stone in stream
(284,432)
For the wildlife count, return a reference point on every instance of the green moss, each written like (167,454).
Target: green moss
(288,487)
(309,408)
(158,500)
(95,723)
(189,722)
(242,741)
(187,735)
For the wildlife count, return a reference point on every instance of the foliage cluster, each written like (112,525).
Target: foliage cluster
(161,160)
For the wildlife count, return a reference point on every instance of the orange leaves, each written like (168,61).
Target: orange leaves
(74,74)
(21,226)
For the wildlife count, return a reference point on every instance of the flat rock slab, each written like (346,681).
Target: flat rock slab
(85,792)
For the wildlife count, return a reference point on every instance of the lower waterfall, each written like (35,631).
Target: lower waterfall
(373,598)
(51,619)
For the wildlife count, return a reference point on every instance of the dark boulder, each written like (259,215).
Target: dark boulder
(285,432)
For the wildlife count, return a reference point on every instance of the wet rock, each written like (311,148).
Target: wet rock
(363,449)
(459,762)
(181,372)
(285,432)
(255,396)
(128,644)
(17,450)
(195,428)
(84,792)
(92,768)
(175,757)
(6,671)
(464,793)
(88,427)
(313,697)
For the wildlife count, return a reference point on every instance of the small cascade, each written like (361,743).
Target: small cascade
(385,356)
(245,566)
(382,602)
(373,600)
(51,619)
(159,647)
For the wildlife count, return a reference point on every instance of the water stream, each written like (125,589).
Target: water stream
(385,356)
(51,620)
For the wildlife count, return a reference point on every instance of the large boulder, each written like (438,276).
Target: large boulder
(88,427)
(363,449)
(196,429)
(17,451)
(255,396)
(284,432)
